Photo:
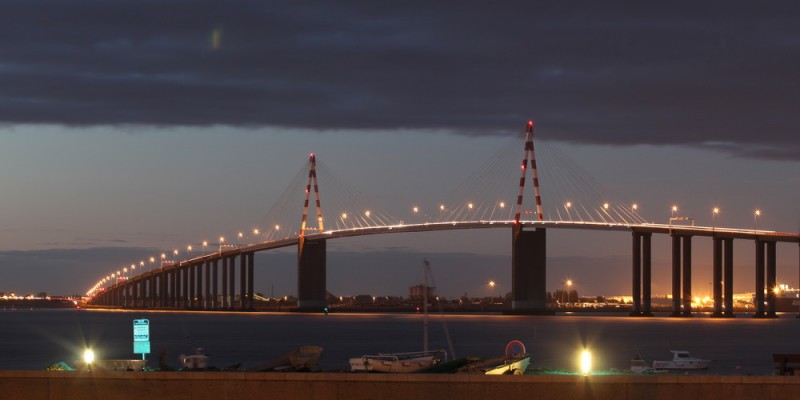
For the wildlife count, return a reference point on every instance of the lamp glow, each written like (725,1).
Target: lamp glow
(88,356)
(586,362)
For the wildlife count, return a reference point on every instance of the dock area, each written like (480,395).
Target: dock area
(112,385)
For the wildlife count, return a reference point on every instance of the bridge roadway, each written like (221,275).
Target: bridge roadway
(193,283)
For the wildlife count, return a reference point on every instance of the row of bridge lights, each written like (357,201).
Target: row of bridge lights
(123,273)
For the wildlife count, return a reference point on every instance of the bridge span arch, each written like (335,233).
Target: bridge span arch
(207,282)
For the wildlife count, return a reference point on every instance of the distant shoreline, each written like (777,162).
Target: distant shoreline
(36,303)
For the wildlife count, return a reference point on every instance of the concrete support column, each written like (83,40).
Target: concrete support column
(676,276)
(176,273)
(311,274)
(207,285)
(225,262)
(529,271)
(687,276)
(728,267)
(232,282)
(647,281)
(716,280)
(242,282)
(192,285)
(250,276)
(214,284)
(759,297)
(199,285)
(771,281)
(162,288)
(636,275)
(135,295)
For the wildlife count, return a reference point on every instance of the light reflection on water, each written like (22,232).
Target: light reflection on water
(33,339)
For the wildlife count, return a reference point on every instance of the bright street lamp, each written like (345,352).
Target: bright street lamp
(756,214)
(491,292)
(714,213)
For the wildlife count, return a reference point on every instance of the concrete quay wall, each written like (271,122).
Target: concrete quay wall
(62,385)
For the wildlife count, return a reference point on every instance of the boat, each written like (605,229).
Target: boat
(787,299)
(404,362)
(397,362)
(639,366)
(681,359)
(196,361)
(515,361)
(303,358)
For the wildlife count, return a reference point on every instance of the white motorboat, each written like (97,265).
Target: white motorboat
(681,359)
(397,362)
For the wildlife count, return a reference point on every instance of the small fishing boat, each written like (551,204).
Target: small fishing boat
(397,362)
(639,366)
(303,358)
(682,360)
(404,362)
(514,362)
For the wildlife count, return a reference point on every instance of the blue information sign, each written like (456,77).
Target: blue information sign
(141,336)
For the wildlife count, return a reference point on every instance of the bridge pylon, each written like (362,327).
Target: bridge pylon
(311,254)
(529,155)
(528,248)
(312,177)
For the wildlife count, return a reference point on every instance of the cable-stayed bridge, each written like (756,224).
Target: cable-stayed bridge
(310,212)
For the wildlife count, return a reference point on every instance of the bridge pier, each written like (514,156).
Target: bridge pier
(224,304)
(242,282)
(529,271)
(765,250)
(214,284)
(311,274)
(722,283)
(681,301)
(250,276)
(232,282)
(642,281)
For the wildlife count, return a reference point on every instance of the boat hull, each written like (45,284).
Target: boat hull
(516,366)
(394,362)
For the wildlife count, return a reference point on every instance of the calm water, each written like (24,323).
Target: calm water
(33,339)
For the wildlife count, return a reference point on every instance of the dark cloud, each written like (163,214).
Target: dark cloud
(717,74)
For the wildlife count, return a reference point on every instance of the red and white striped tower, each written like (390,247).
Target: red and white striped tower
(312,175)
(529,155)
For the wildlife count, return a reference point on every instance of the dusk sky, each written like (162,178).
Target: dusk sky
(134,128)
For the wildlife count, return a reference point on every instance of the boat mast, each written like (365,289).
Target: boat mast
(425,305)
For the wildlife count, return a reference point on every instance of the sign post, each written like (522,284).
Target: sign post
(141,337)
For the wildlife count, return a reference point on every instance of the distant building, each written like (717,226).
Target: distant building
(417,293)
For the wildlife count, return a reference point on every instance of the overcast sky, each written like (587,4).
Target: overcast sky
(134,127)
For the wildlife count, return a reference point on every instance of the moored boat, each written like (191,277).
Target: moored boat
(397,362)
(515,361)
(196,361)
(303,358)
(681,359)
(639,366)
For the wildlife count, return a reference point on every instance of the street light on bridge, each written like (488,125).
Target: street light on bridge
(566,287)
(714,213)
(756,214)
(491,292)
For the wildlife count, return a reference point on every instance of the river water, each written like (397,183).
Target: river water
(34,339)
